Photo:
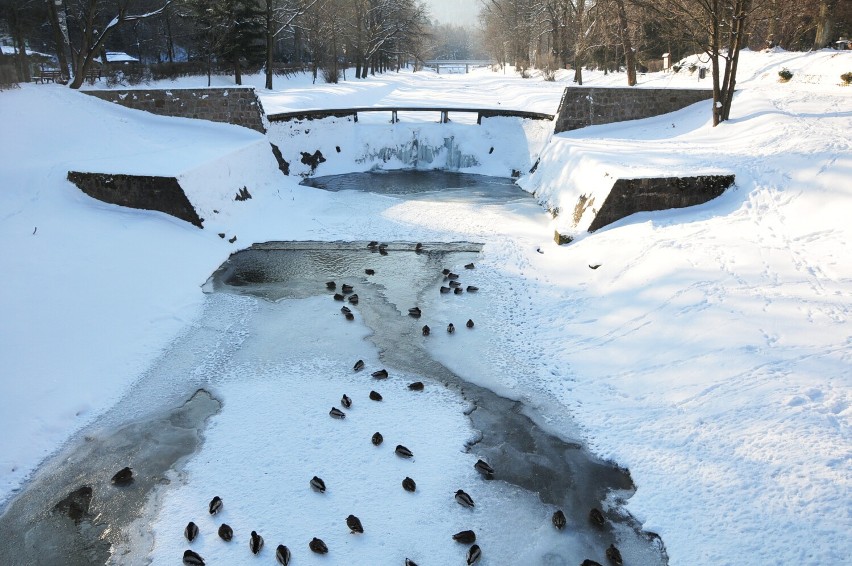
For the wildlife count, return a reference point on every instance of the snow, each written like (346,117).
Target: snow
(709,354)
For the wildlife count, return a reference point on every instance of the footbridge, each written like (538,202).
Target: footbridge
(394,111)
(466,64)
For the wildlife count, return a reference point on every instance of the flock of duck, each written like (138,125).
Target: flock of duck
(283,553)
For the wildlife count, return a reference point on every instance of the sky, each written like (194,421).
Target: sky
(461,12)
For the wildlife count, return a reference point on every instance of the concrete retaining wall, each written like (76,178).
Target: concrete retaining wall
(589,106)
(234,105)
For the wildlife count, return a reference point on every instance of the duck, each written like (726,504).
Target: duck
(469,323)
(226,533)
(458,290)
(465,537)
(383,251)
(595,266)
(474,553)
(191,558)
(445,289)
(375,396)
(483,468)
(338,297)
(409,485)
(377,439)
(445,271)
(353,299)
(215,505)
(426,330)
(380,374)
(359,365)
(372,244)
(345,310)
(403,452)
(337,413)
(418,247)
(464,499)
(415,312)
(472,288)
(613,555)
(317,484)
(383,246)
(346,288)
(558,519)
(255,542)
(123,476)
(191,531)
(452,275)
(596,517)
(232,240)
(346,401)
(330,285)
(318,546)
(588,562)
(370,271)
(410,562)
(470,266)
(354,524)
(455,284)
(349,316)
(416,386)
(451,328)
(282,555)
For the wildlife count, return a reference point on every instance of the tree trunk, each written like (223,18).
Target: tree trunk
(738,30)
(60,34)
(825,24)
(270,42)
(629,54)
(238,73)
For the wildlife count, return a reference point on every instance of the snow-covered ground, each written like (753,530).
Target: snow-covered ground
(709,354)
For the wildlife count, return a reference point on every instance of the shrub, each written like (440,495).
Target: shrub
(330,75)
(846,78)
(676,68)
(785,75)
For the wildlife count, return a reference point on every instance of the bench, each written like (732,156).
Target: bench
(47,76)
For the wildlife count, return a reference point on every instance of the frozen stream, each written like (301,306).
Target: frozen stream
(256,378)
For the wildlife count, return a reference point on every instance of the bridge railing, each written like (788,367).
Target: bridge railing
(395,110)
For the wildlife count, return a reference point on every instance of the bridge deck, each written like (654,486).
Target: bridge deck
(394,112)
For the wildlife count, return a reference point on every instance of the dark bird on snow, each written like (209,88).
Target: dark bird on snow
(347,288)
(415,312)
(469,266)
(469,323)
(349,316)
(474,554)
(331,285)
(123,476)
(464,499)
(596,517)
(445,289)
(378,439)
(359,365)
(383,246)
(232,240)
(451,328)
(380,374)
(455,284)
(595,266)
(317,484)
(416,386)
(282,555)
(613,555)
(452,276)
(318,546)
(402,451)
(345,310)
(375,396)
(191,558)
(370,271)
(337,413)
(353,299)
(191,531)
(558,519)
(346,401)
(588,562)
(215,505)
(354,524)
(410,562)
(472,288)
(418,247)
(465,537)
(483,468)
(458,290)
(445,271)
(409,485)
(255,542)
(338,297)
(373,244)
(383,251)
(426,330)
(226,533)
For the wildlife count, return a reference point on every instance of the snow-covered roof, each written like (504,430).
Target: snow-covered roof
(120,57)
(10,50)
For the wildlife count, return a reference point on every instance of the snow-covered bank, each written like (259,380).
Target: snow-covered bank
(709,354)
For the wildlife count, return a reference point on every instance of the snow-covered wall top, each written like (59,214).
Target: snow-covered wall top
(589,106)
(234,105)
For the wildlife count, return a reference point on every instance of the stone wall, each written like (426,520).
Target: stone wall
(589,106)
(234,105)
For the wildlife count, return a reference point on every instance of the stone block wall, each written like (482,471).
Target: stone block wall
(234,105)
(590,106)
